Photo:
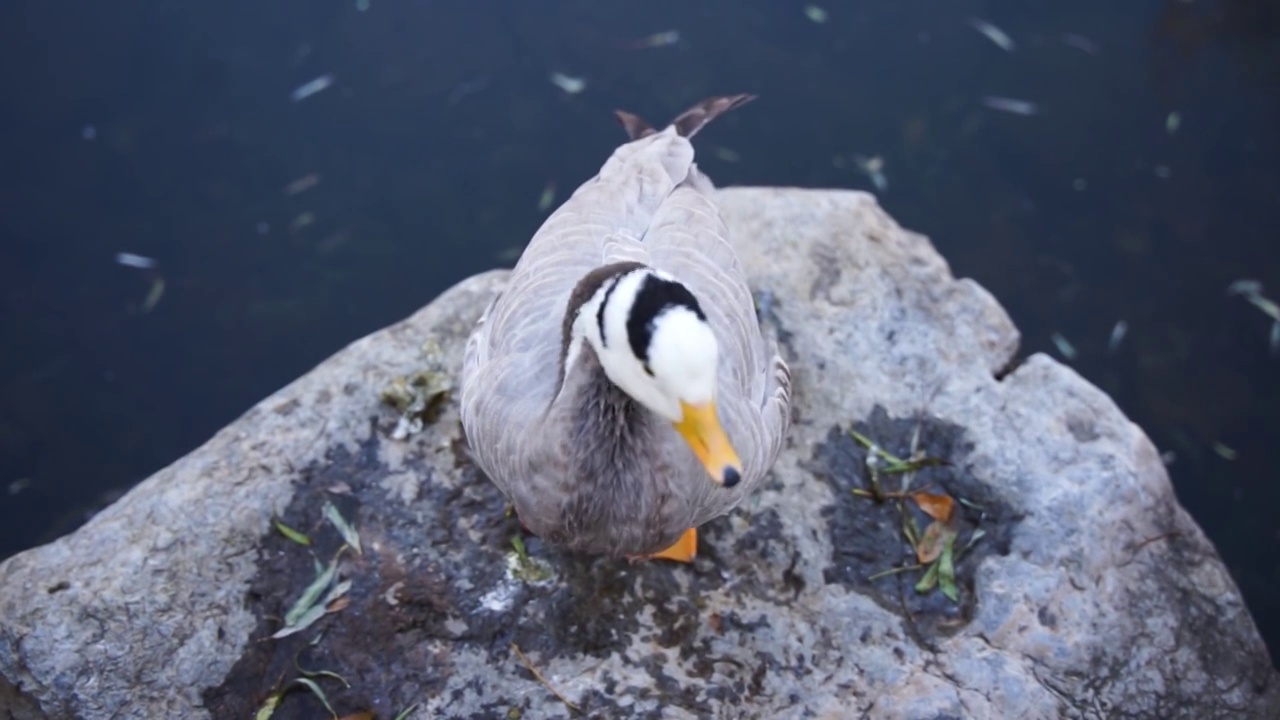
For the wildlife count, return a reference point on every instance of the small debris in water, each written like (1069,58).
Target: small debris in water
(568,83)
(1080,184)
(1252,291)
(873,168)
(301,221)
(19,485)
(310,88)
(659,39)
(302,184)
(1013,106)
(362,5)
(88,132)
(1117,335)
(1064,346)
(1080,43)
(135,261)
(993,33)
(1245,286)
(1225,452)
(153,296)
(1168,457)
(815,13)
(465,88)
(1163,172)
(548,196)
(1172,122)
(726,154)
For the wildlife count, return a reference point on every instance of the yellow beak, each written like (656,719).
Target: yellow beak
(700,427)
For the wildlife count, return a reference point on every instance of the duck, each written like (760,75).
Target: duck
(618,389)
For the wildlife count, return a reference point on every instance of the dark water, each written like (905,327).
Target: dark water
(166,129)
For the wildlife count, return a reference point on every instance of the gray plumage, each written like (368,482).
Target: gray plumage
(587,467)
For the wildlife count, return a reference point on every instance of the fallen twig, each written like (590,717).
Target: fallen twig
(524,659)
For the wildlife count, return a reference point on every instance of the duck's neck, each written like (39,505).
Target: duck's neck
(608,427)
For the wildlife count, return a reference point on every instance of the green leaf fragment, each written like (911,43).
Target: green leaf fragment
(892,571)
(307,619)
(405,712)
(312,593)
(292,534)
(349,534)
(973,539)
(315,612)
(929,580)
(315,690)
(325,673)
(911,530)
(908,466)
(517,542)
(269,706)
(947,570)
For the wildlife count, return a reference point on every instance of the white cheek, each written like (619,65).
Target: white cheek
(684,355)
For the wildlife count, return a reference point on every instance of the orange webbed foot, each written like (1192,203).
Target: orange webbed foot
(684,550)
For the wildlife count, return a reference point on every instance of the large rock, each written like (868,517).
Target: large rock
(1091,593)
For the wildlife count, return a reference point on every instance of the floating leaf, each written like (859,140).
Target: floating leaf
(935,538)
(938,507)
(269,706)
(947,570)
(292,534)
(349,534)
(517,542)
(929,580)
(315,690)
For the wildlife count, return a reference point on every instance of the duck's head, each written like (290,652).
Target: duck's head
(654,342)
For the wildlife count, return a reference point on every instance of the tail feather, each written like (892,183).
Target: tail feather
(635,125)
(689,122)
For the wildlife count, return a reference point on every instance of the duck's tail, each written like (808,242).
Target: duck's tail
(689,122)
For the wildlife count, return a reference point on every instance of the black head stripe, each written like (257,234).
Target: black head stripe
(655,297)
(604,302)
(586,288)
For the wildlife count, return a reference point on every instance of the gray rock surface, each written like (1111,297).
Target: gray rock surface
(1090,594)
